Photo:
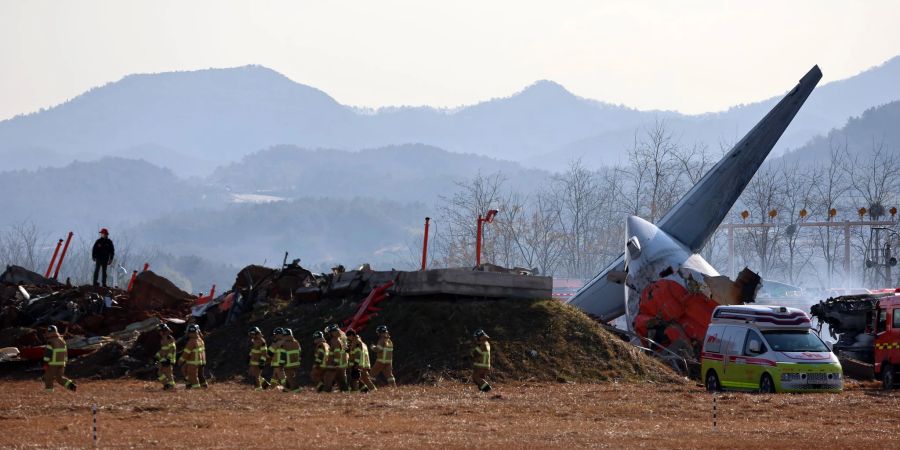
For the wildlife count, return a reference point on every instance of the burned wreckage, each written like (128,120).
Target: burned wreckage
(112,332)
(661,284)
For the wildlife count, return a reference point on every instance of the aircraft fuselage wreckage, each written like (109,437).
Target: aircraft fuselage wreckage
(660,283)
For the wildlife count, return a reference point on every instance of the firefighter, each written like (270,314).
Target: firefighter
(166,357)
(258,353)
(344,366)
(384,356)
(201,371)
(336,367)
(291,351)
(320,360)
(359,364)
(275,357)
(193,357)
(481,360)
(55,357)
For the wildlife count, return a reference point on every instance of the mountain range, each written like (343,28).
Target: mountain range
(239,165)
(193,122)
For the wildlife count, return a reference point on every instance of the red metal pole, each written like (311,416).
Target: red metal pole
(478,242)
(53,259)
(146,267)
(131,283)
(63,255)
(425,245)
(212,292)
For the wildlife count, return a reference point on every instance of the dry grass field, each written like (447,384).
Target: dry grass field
(135,414)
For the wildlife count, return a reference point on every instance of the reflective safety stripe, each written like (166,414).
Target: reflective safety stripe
(386,355)
(360,357)
(336,361)
(197,357)
(322,357)
(58,357)
(292,358)
(276,357)
(167,351)
(484,358)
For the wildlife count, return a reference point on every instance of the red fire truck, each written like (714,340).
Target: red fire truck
(867,329)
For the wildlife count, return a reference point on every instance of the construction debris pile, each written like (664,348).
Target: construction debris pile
(91,318)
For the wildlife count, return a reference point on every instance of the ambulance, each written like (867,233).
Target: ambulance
(767,349)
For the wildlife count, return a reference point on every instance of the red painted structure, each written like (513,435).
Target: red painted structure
(425,245)
(63,255)
(131,282)
(489,218)
(53,259)
(682,315)
(367,308)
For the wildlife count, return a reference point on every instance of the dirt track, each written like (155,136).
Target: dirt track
(135,414)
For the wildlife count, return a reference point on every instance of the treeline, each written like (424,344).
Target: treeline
(573,225)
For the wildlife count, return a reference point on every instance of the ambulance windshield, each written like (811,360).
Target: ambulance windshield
(795,341)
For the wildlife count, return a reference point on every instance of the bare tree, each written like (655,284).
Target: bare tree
(545,235)
(458,214)
(653,182)
(692,162)
(797,196)
(580,198)
(763,195)
(830,185)
(23,245)
(873,179)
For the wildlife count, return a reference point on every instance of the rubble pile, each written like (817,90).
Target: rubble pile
(90,318)
(112,333)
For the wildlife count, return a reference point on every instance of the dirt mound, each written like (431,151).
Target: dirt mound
(152,292)
(538,340)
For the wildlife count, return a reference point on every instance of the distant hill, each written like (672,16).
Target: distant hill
(217,115)
(879,125)
(407,173)
(829,106)
(192,122)
(321,231)
(110,192)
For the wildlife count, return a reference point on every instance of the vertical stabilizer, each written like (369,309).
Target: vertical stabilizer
(700,212)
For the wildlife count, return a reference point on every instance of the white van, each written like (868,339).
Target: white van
(769,349)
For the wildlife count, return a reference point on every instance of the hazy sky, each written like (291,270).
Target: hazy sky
(687,55)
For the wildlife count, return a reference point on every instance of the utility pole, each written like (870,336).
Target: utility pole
(489,218)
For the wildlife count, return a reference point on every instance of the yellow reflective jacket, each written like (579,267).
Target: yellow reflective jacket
(481,355)
(56,352)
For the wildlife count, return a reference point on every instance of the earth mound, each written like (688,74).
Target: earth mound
(538,340)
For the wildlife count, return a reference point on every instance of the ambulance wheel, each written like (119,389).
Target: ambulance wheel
(887,377)
(766,385)
(712,382)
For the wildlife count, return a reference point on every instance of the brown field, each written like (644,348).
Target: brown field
(136,414)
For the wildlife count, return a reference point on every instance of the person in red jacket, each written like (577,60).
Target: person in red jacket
(102,254)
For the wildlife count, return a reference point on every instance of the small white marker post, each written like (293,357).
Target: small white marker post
(714,411)
(94,422)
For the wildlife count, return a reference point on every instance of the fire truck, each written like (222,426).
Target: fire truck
(867,330)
